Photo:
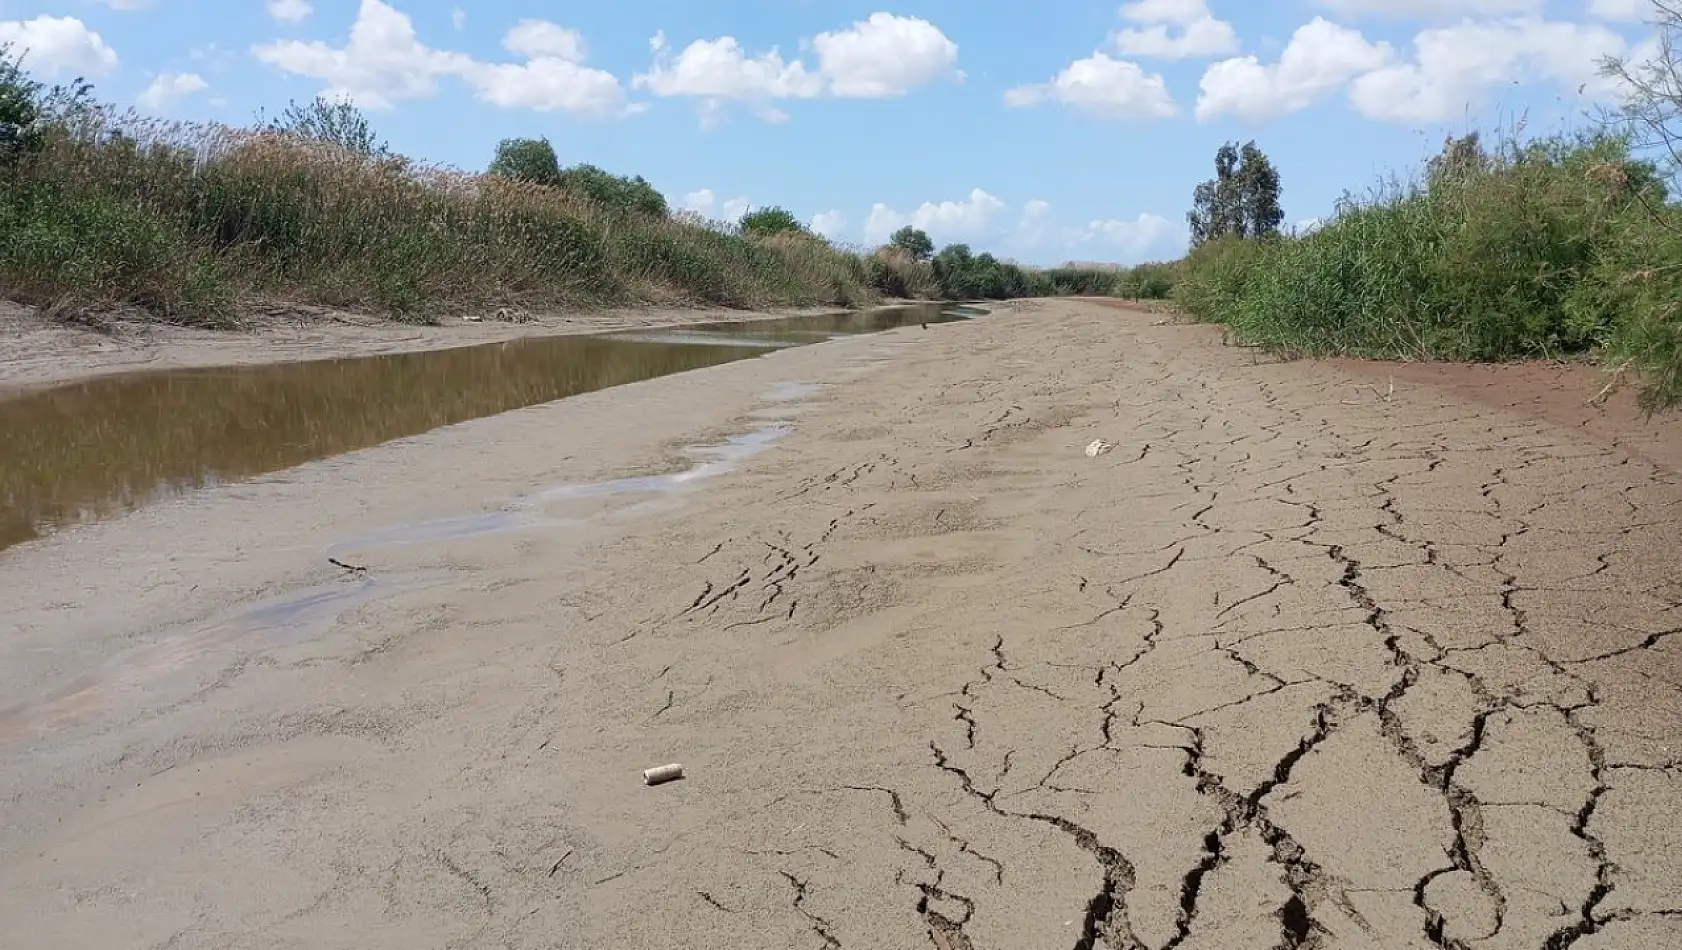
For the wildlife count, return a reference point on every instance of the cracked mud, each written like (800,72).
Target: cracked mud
(1286,670)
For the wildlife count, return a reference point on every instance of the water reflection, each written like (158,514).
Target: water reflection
(102,447)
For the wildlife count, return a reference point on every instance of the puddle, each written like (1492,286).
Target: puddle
(300,614)
(791,392)
(282,619)
(524,513)
(103,447)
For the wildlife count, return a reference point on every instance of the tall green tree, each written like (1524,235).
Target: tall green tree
(914,242)
(528,160)
(337,122)
(26,104)
(764,222)
(1242,200)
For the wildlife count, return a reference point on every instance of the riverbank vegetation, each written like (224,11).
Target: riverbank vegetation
(1548,247)
(197,224)
(102,211)
(1554,246)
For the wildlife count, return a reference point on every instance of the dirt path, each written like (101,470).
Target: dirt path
(1293,666)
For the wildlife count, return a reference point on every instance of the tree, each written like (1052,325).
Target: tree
(336,122)
(1650,112)
(1258,189)
(20,97)
(527,160)
(614,192)
(913,241)
(1242,200)
(764,222)
(26,104)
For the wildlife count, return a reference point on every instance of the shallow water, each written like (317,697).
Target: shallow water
(99,448)
(527,511)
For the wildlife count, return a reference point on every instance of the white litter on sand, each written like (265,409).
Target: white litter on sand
(662,774)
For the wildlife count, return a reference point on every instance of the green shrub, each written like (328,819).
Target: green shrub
(93,250)
(764,222)
(1633,302)
(615,193)
(1478,264)
(532,161)
(1153,281)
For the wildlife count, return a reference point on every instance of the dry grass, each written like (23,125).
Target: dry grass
(195,223)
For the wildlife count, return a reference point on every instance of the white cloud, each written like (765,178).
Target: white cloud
(1434,9)
(1174,29)
(290,11)
(51,45)
(705,203)
(1455,68)
(166,88)
(1131,237)
(540,38)
(831,224)
(1622,11)
(384,62)
(716,71)
(1035,228)
(882,57)
(1320,58)
(548,84)
(1124,240)
(1111,88)
(943,220)
(734,208)
(458,18)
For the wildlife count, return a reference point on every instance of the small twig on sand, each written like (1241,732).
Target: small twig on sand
(352,568)
(1612,384)
(557,865)
(1387,396)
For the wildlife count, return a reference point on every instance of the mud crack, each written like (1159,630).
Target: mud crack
(819,925)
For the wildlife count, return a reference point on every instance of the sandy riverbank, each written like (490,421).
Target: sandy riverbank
(35,350)
(1293,665)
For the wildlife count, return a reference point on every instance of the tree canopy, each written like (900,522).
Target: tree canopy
(527,160)
(336,122)
(1242,200)
(764,222)
(913,241)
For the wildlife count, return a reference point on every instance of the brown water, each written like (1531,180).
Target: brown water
(103,447)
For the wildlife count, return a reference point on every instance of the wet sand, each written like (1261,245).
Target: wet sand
(1294,665)
(38,351)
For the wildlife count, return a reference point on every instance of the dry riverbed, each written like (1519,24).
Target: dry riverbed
(1305,661)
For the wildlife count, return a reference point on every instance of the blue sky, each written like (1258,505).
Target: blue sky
(1044,131)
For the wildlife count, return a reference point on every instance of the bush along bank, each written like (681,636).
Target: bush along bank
(1542,248)
(193,223)
(196,224)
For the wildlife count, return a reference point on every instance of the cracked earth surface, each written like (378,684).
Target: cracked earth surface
(1294,666)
